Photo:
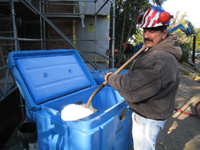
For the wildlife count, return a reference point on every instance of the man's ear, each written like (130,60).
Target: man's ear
(165,32)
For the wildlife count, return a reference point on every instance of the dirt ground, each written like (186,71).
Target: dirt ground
(181,131)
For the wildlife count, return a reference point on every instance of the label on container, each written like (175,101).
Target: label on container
(123,115)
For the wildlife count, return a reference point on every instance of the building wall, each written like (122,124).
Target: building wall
(32,28)
(32,31)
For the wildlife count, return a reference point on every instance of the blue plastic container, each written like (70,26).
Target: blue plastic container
(51,80)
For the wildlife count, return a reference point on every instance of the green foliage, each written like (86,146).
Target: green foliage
(138,38)
(186,42)
(185,54)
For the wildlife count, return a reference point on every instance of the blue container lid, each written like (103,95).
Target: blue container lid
(51,74)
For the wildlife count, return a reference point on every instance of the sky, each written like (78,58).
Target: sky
(191,7)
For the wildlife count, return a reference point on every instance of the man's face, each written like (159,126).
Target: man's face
(152,38)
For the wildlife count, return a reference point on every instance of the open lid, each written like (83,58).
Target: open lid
(51,74)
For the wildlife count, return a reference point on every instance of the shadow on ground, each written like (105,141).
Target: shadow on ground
(182,132)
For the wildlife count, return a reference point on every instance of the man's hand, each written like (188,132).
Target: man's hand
(106,76)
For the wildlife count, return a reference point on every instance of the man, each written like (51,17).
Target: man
(152,81)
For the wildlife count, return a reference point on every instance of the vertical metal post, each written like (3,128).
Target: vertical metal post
(2,58)
(48,42)
(14,23)
(44,37)
(41,25)
(193,54)
(21,104)
(24,29)
(74,27)
(82,38)
(95,33)
(11,41)
(6,81)
(113,35)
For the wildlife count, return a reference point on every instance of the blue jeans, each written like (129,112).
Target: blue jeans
(145,132)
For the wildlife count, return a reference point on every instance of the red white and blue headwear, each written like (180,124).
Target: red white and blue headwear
(154,17)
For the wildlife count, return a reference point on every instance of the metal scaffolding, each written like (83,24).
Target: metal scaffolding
(13,40)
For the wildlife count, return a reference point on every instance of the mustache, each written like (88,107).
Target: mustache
(147,39)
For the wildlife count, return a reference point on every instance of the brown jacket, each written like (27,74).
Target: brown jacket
(151,84)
